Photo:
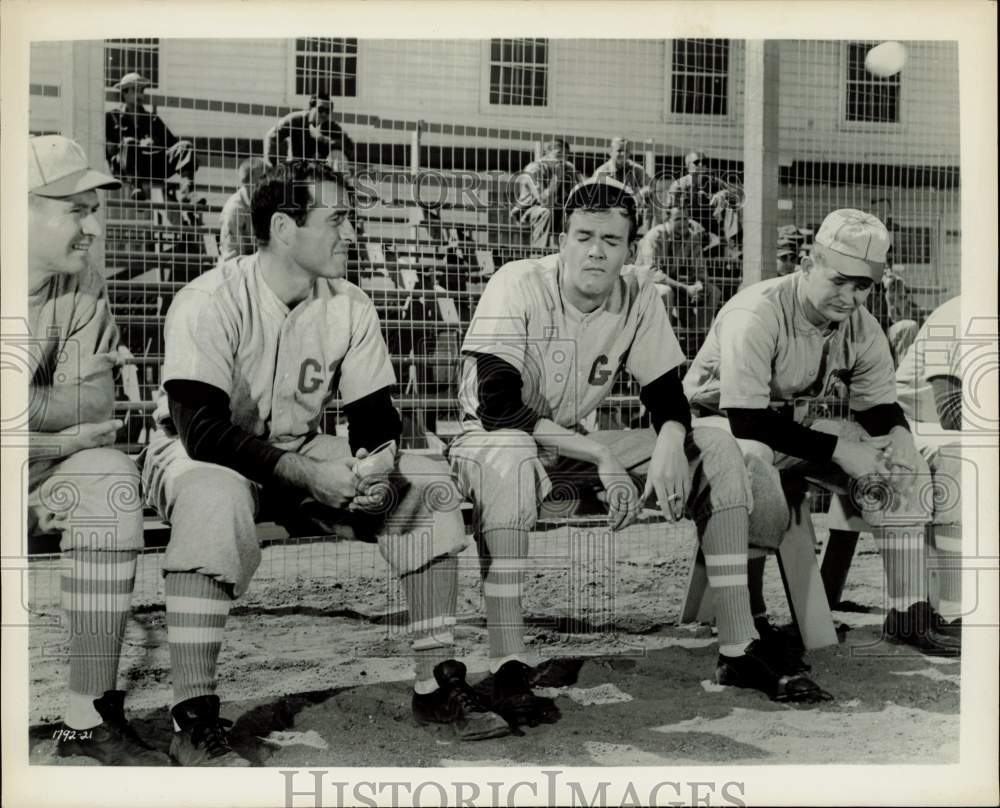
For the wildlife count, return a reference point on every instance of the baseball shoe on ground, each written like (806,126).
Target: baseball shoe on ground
(951,628)
(113,742)
(784,648)
(924,629)
(455,703)
(756,670)
(512,698)
(203,739)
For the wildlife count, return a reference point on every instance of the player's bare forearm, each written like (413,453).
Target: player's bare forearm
(61,406)
(568,443)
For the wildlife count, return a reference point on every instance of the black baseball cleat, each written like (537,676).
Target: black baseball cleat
(113,742)
(923,628)
(951,628)
(203,739)
(756,670)
(512,698)
(457,704)
(781,646)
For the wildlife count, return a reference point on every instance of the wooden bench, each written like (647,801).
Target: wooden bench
(811,588)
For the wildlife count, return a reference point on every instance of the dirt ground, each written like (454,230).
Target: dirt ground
(314,669)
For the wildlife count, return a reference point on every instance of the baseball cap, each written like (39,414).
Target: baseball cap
(854,243)
(130,79)
(58,166)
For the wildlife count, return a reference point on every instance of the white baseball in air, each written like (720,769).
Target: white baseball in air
(886,59)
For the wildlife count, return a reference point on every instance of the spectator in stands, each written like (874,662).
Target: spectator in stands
(929,388)
(543,187)
(310,134)
(786,259)
(630,174)
(674,251)
(235,226)
(141,149)
(708,200)
(79,486)
(904,315)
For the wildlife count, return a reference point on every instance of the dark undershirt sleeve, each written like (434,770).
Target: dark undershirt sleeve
(782,434)
(203,419)
(372,420)
(499,388)
(664,398)
(880,419)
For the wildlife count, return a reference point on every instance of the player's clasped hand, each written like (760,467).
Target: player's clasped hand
(623,497)
(862,460)
(333,482)
(373,490)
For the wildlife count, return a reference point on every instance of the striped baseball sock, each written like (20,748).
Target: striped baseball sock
(947,561)
(756,561)
(724,545)
(503,587)
(197,608)
(96,594)
(431,597)
(904,557)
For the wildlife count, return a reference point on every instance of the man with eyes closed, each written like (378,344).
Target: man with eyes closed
(783,342)
(542,351)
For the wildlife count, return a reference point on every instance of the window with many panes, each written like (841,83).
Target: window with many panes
(123,56)
(326,66)
(519,72)
(699,77)
(869,98)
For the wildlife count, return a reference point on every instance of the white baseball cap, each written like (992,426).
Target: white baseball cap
(58,166)
(854,242)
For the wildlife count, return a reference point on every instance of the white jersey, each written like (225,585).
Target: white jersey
(567,359)
(936,351)
(280,367)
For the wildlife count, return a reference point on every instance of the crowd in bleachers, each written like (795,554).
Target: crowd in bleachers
(425,283)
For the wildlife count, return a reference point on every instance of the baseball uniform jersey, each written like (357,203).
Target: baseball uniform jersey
(280,367)
(761,348)
(567,359)
(69,317)
(935,352)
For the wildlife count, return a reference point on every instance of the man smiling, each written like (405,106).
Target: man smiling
(78,485)
(782,343)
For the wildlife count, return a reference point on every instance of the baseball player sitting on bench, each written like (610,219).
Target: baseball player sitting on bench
(255,351)
(542,351)
(78,485)
(807,336)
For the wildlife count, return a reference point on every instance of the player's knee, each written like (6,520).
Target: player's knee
(757,450)
(770,515)
(432,480)
(721,479)
(208,495)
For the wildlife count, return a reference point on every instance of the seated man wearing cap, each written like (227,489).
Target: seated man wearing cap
(787,341)
(310,134)
(545,344)
(78,485)
(140,148)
